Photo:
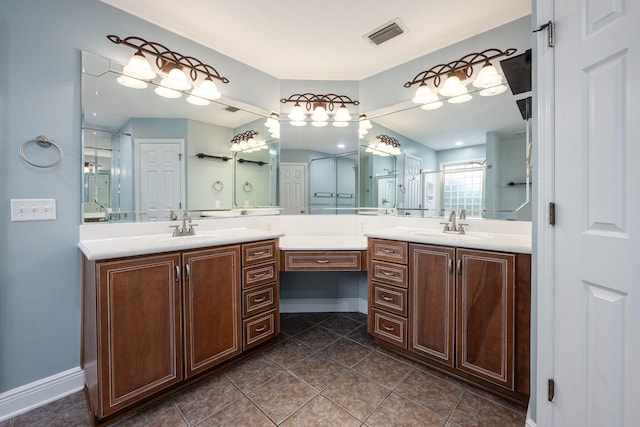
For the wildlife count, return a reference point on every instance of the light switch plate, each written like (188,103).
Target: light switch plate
(33,209)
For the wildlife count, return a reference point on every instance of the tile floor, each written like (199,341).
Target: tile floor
(323,371)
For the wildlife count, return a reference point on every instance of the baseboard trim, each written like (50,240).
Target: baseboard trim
(530,423)
(320,305)
(38,393)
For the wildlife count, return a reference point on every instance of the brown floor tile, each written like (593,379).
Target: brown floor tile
(294,325)
(347,352)
(253,372)
(398,411)
(361,336)
(473,410)
(240,413)
(360,317)
(382,369)
(356,394)
(289,352)
(431,392)
(318,337)
(69,411)
(314,317)
(321,412)
(164,414)
(340,324)
(318,371)
(282,396)
(509,404)
(206,398)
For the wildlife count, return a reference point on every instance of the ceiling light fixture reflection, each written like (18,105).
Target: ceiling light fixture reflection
(319,109)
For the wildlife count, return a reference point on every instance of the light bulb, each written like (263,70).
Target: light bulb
(139,68)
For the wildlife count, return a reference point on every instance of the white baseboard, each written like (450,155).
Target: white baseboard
(320,305)
(530,423)
(38,393)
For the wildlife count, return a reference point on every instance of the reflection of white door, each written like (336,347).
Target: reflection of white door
(412,184)
(159,177)
(293,188)
(595,352)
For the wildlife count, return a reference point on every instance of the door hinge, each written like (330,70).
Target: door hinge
(549,26)
(552,213)
(551,390)
(179,157)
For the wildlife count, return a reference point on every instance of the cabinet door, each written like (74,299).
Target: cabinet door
(432,302)
(485,344)
(212,302)
(140,347)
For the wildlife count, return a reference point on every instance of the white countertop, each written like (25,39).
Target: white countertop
(323,243)
(504,242)
(116,247)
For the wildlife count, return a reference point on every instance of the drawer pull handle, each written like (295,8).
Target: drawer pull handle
(177,273)
(257,300)
(322,261)
(388,251)
(258,253)
(386,298)
(187,272)
(259,275)
(261,329)
(387,328)
(387,273)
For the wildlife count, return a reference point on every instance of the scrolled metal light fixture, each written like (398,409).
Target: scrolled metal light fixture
(384,145)
(247,143)
(321,105)
(138,72)
(447,79)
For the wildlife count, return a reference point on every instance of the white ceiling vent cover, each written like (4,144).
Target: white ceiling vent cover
(386,32)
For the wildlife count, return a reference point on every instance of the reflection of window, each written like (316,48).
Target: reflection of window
(462,188)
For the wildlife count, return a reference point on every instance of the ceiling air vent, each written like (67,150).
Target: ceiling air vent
(231,109)
(386,32)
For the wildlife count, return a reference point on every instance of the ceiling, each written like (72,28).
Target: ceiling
(324,40)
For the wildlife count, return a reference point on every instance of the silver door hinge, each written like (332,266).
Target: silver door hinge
(551,389)
(549,26)
(179,157)
(552,213)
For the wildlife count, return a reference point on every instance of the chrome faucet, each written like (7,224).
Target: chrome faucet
(184,230)
(451,226)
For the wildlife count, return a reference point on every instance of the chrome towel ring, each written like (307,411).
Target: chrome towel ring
(44,142)
(247,187)
(218,185)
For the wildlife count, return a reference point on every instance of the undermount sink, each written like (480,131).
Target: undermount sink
(449,235)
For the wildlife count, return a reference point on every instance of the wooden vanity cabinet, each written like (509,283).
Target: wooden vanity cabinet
(212,307)
(132,329)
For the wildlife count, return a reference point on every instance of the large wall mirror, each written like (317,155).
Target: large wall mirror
(146,156)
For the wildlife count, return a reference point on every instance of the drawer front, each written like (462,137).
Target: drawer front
(259,274)
(254,253)
(389,250)
(323,261)
(260,328)
(390,328)
(390,298)
(259,299)
(385,272)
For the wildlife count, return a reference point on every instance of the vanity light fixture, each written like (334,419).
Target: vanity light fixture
(384,145)
(247,143)
(180,73)
(448,80)
(363,125)
(319,108)
(273,125)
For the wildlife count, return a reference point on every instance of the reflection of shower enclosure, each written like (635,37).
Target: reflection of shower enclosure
(385,190)
(332,185)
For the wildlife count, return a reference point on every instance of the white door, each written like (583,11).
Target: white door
(596,364)
(413,184)
(293,188)
(159,178)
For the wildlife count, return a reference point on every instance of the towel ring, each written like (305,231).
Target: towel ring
(247,187)
(218,185)
(43,142)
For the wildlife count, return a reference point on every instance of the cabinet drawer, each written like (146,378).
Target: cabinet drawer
(259,299)
(322,261)
(390,328)
(388,250)
(394,274)
(259,274)
(260,328)
(254,253)
(390,298)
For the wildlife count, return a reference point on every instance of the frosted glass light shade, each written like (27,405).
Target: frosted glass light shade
(131,82)
(432,105)
(196,100)
(487,77)
(298,123)
(341,124)
(207,90)
(165,92)
(296,114)
(319,123)
(452,87)
(423,95)
(176,80)
(319,114)
(139,68)
(495,90)
(342,115)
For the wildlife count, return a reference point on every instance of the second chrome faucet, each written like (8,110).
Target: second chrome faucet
(451,226)
(184,230)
